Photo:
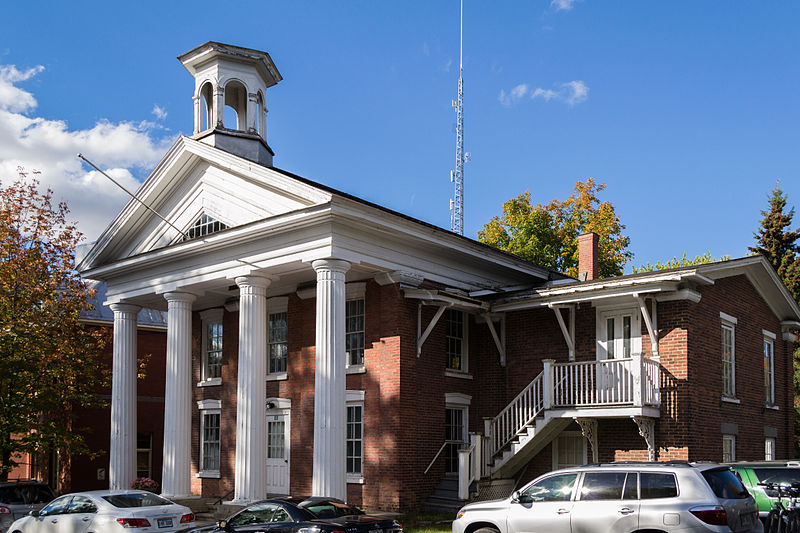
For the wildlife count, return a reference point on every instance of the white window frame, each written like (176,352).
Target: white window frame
(617,313)
(355,398)
(769,368)
(208,407)
(464,370)
(571,435)
(274,306)
(148,451)
(730,441)
(769,448)
(356,291)
(208,317)
(728,323)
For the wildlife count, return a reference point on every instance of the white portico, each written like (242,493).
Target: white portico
(250,232)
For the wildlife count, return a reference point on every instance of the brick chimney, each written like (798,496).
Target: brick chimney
(588,263)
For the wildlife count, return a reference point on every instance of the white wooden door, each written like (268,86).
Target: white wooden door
(278,452)
(619,337)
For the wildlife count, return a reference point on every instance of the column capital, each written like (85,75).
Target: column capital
(331,264)
(124,308)
(252,281)
(180,297)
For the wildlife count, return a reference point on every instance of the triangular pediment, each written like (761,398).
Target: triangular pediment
(193,181)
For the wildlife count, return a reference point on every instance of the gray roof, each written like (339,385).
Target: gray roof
(102,313)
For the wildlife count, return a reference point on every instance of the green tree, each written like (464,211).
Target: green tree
(49,362)
(677,263)
(548,234)
(778,243)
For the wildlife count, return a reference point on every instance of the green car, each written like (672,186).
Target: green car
(755,472)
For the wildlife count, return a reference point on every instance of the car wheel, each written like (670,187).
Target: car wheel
(486,530)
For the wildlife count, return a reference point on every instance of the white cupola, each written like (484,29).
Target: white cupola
(230,87)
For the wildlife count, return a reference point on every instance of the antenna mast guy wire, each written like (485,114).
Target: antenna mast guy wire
(115,182)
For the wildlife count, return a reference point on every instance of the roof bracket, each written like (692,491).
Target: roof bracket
(648,320)
(422,337)
(500,343)
(569,334)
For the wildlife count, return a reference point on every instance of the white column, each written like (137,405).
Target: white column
(252,114)
(251,448)
(122,448)
(176,472)
(198,113)
(329,385)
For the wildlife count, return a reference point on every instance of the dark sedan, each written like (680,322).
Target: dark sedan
(293,515)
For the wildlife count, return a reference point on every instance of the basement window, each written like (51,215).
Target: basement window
(205,225)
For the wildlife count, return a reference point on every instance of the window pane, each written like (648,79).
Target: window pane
(727,361)
(210,441)
(551,489)
(726,484)
(354,331)
(278,346)
(355,436)
(769,392)
(610,338)
(276,445)
(602,485)
(657,486)
(454,335)
(626,336)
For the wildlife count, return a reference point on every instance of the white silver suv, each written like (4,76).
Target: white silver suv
(623,498)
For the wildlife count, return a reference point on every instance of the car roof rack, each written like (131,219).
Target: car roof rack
(647,463)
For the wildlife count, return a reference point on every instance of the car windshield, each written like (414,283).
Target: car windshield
(137,499)
(781,476)
(725,484)
(329,508)
(25,494)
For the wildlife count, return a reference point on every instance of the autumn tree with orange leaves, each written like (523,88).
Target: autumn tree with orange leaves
(548,234)
(49,362)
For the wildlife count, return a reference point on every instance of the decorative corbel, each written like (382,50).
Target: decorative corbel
(648,320)
(569,333)
(647,430)
(498,342)
(589,432)
(422,337)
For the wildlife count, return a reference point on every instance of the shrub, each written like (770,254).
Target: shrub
(145,483)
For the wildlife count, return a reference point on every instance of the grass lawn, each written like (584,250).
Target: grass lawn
(426,523)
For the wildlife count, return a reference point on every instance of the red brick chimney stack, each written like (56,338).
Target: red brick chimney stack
(588,263)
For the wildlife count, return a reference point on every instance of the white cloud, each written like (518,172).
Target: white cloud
(562,5)
(51,147)
(571,93)
(159,112)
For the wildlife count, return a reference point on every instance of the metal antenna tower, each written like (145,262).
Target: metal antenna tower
(457,175)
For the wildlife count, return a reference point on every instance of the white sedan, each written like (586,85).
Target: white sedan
(106,511)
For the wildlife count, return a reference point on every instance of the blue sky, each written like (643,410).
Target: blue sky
(686,110)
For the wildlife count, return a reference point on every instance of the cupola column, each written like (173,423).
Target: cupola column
(252,113)
(250,482)
(176,471)
(329,385)
(122,448)
(218,109)
(198,113)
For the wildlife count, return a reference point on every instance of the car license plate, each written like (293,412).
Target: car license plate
(165,522)
(747,519)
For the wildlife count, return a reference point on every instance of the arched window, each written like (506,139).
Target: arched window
(207,94)
(236,106)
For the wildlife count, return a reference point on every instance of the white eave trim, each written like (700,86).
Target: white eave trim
(437,297)
(586,294)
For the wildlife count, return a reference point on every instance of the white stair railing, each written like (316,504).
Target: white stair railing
(519,413)
(470,465)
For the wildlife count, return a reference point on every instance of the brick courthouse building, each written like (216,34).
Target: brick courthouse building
(320,344)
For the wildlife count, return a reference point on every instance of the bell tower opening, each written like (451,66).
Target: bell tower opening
(230,109)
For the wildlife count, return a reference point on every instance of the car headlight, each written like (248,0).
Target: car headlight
(460,514)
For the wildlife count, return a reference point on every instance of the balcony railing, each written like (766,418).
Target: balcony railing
(633,381)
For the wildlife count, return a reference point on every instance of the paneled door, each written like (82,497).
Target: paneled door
(278,452)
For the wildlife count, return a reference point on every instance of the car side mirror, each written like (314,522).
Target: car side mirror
(515,496)
(34,514)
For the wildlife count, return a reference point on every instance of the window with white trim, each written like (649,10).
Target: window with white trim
(728,357)
(769,448)
(211,320)
(144,455)
(210,421)
(354,336)
(728,448)
(456,337)
(769,368)
(277,335)
(354,461)
(205,225)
